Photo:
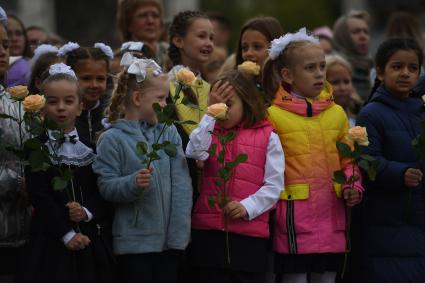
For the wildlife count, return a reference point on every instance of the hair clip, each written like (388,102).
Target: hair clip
(69,47)
(105,49)
(61,68)
(139,67)
(278,45)
(132,46)
(44,49)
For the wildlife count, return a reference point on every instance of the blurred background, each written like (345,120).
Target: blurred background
(95,20)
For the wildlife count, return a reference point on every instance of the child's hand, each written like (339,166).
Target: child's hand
(143,178)
(235,210)
(200,164)
(412,177)
(220,92)
(352,197)
(78,242)
(76,212)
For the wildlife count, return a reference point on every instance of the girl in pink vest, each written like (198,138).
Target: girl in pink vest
(253,189)
(309,238)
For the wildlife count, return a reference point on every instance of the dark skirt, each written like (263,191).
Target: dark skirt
(306,263)
(208,249)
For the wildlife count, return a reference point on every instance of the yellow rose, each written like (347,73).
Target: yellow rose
(34,103)
(359,135)
(218,111)
(249,68)
(18,92)
(185,76)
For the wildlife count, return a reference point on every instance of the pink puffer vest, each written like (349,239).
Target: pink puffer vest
(246,179)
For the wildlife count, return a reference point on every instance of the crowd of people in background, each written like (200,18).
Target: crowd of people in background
(284,218)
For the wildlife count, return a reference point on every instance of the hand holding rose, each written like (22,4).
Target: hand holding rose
(235,210)
(143,178)
(352,197)
(78,242)
(412,177)
(76,212)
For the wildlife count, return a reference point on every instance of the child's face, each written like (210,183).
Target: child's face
(234,112)
(307,74)
(62,103)
(146,24)
(340,79)
(16,37)
(401,73)
(4,51)
(92,75)
(254,46)
(359,33)
(197,46)
(156,93)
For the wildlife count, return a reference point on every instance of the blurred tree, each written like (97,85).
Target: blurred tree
(293,14)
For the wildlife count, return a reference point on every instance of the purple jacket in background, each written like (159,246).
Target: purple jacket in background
(19,73)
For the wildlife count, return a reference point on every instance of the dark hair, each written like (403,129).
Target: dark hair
(179,26)
(40,66)
(221,19)
(126,10)
(270,27)
(83,53)
(254,108)
(387,49)
(59,77)
(27,50)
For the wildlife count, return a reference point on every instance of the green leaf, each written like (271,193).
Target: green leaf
(142,148)
(211,201)
(224,174)
(367,157)
(343,149)
(59,184)
(39,161)
(179,87)
(339,177)
(170,149)
(241,158)
(221,156)
(5,116)
(185,100)
(363,164)
(50,124)
(16,151)
(33,144)
(67,174)
(213,150)
(153,155)
(218,183)
(168,110)
(156,146)
(229,136)
(157,108)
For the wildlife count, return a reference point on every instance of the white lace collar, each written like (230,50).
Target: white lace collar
(70,150)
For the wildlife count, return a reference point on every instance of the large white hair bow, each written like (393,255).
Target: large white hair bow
(106,49)
(278,45)
(44,49)
(132,46)
(139,67)
(69,47)
(61,68)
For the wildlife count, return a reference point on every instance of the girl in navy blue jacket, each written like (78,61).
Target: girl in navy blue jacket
(393,226)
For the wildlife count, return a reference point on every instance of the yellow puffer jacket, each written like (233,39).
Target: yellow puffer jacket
(310,215)
(201,89)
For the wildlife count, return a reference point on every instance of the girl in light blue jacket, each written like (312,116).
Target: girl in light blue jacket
(149,246)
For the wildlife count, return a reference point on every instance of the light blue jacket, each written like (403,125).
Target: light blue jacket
(164,207)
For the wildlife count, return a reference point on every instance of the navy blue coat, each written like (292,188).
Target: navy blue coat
(393,243)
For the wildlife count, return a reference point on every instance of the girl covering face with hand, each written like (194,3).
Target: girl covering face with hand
(253,188)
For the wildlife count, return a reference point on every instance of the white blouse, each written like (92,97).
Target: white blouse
(267,196)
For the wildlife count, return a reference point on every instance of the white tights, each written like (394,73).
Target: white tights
(326,277)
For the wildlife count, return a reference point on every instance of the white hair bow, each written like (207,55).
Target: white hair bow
(69,47)
(61,68)
(139,67)
(44,49)
(278,45)
(105,49)
(132,46)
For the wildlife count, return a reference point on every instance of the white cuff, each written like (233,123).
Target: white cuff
(249,205)
(89,215)
(68,236)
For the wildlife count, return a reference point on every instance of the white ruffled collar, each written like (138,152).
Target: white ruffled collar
(70,151)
